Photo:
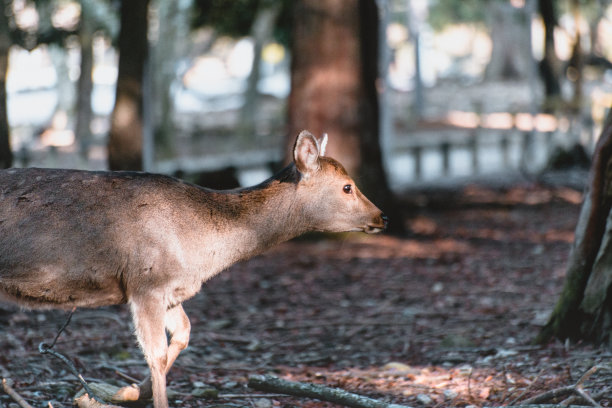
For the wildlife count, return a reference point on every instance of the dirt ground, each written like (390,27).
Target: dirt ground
(443,317)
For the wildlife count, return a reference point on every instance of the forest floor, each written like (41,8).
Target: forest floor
(442,317)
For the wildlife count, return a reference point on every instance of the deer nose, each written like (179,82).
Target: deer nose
(385,220)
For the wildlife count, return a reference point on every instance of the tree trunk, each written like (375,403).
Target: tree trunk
(549,65)
(168,48)
(6,155)
(584,309)
(84,112)
(333,88)
(576,61)
(510,56)
(125,141)
(261,32)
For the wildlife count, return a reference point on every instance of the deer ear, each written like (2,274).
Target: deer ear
(306,153)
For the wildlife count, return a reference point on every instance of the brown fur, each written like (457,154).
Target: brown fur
(87,239)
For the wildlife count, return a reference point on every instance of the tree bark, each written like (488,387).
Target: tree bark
(6,155)
(584,309)
(333,89)
(125,140)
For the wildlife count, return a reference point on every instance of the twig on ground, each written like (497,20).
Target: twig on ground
(127,377)
(548,395)
(577,388)
(526,390)
(586,375)
(543,406)
(573,398)
(320,392)
(7,386)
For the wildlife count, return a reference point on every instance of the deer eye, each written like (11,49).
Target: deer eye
(348,189)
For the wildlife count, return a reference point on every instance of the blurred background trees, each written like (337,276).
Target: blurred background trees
(234,59)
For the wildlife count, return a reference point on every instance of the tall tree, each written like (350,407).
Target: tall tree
(6,155)
(549,64)
(126,134)
(511,53)
(167,49)
(261,31)
(584,309)
(84,112)
(333,88)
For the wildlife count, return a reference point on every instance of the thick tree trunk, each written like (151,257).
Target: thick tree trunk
(584,309)
(125,141)
(333,88)
(326,77)
(6,155)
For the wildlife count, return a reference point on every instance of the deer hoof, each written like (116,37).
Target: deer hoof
(135,392)
(129,393)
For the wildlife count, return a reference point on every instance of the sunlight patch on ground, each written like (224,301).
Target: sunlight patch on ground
(422,384)
(389,247)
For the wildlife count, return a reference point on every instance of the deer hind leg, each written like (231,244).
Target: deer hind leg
(149,315)
(178,326)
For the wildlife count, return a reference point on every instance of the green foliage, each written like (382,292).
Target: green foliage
(445,12)
(235,18)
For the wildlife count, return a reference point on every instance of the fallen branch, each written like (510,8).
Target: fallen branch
(7,386)
(337,396)
(232,396)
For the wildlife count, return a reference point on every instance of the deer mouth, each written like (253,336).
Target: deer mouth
(373,229)
(376,228)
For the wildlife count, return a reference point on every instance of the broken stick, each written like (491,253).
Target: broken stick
(270,383)
(7,386)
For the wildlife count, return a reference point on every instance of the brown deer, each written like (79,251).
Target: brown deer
(71,238)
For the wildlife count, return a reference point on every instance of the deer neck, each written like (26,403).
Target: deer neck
(259,217)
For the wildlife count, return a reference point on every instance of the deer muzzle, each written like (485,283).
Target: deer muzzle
(379,224)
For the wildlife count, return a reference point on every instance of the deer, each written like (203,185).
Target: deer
(85,239)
